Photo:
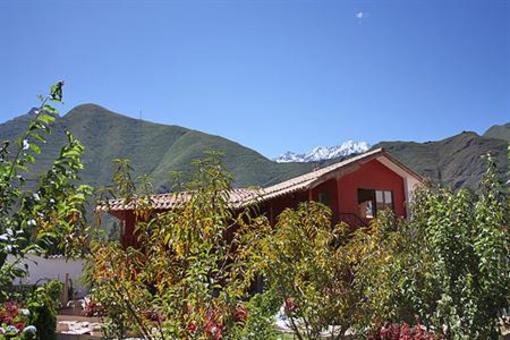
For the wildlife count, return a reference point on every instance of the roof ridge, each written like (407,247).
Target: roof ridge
(245,196)
(315,174)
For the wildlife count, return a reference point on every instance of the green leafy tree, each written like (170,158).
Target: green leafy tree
(43,305)
(306,267)
(42,216)
(193,269)
(447,267)
(48,216)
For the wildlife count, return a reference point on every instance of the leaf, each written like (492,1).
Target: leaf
(46,118)
(35,148)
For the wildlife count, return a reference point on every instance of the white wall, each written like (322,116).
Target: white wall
(40,270)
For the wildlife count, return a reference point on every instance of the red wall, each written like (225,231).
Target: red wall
(371,175)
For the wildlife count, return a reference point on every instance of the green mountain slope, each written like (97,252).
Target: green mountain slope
(456,161)
(499,132)
(157,149)
(154,149)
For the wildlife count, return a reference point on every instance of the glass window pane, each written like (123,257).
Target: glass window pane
(387,197)
(379,196)
(324,198)
(369,210)
(366,203)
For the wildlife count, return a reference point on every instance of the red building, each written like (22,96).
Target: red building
(355,189)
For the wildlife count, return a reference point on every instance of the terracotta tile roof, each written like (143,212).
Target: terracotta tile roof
(237,197)
(307,180)
(246,196)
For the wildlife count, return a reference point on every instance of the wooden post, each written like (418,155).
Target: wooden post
(65,293)
(338,196)
(271,213)
(310,196)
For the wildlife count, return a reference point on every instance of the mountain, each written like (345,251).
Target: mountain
(456,161)
(499,132)
(157,149)
(322,153)
(154,149)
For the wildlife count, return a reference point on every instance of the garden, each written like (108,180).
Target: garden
(204,271)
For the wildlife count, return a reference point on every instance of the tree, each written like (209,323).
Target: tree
(447,267)
(192,273)
(47,216)
(43,218)
(306,267)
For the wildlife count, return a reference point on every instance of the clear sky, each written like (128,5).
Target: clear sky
(272,75)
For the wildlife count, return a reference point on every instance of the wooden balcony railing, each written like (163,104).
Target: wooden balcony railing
(353,220)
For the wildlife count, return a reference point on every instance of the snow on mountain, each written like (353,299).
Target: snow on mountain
(320,153)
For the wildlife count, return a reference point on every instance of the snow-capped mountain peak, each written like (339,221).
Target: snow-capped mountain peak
(320,153)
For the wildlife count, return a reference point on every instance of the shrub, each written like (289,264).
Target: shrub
(43,305)
(14,318)
(448,267)
(308,270)
(256,318)
(192,274)
(40,218)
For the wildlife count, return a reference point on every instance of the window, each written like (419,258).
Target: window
(384,200)
(370,201)
(323,198)
(366,201)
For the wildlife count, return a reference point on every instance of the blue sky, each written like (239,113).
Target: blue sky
(272,75)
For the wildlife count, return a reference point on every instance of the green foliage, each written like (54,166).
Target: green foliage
(45,217)
(307,269)
(448,267)
(41,216)
(43,305)
(261,311)
(192,272)
(153,149)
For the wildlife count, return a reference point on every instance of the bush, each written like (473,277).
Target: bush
(307,268)
(193,272)
(43,305)
(259,317)
(447,267)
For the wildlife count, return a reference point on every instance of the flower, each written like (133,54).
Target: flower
(11,330)
(241,313)
(19,325)
(24,311)
(30,329)
(192,327)
(26,144)
(290,305)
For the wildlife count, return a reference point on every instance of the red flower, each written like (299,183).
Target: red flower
(290,305)
(213,327)
(20,325)
(11,308)
(241,313)
(405,332)
(192,327)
